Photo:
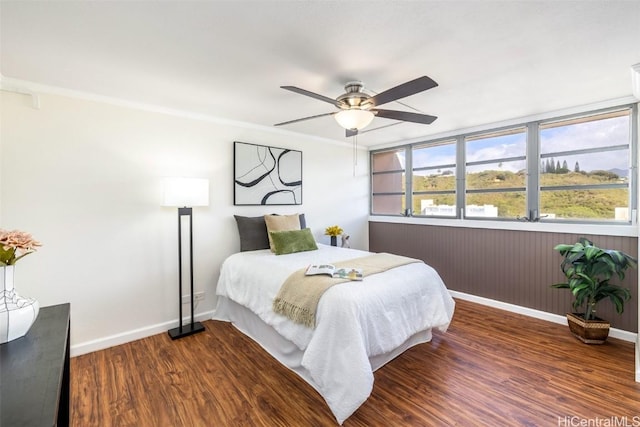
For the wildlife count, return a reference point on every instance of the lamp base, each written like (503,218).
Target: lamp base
(186,330)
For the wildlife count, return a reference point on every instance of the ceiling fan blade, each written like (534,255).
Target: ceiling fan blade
(405,116)
(304,118)
(401,91)
(350,132)
(312,95)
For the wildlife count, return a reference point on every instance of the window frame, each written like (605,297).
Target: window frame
(400,148)
(501,131)
(532,160)
(631,146)
(435,143)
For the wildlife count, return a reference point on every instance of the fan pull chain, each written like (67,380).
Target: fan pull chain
(355,153)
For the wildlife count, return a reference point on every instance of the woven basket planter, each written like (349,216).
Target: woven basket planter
(588,331)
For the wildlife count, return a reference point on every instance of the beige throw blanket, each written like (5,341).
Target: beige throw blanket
(299,295)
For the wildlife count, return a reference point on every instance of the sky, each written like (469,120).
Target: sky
(601,133)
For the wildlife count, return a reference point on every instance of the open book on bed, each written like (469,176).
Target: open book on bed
(336,273)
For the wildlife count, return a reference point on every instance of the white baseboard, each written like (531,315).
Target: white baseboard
(555,318)
(136,334)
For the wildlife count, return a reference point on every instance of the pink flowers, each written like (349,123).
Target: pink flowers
(14,245)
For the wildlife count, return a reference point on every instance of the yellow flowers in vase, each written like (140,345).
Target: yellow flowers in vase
(333,231)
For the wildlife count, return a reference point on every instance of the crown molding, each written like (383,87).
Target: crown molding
(7,86)
(635,80)
(34,89)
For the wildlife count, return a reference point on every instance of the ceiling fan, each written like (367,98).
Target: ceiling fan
(357,109)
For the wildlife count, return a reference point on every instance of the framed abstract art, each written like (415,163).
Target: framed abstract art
(266,175)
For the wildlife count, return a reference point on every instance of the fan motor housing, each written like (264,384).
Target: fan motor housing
(354,97)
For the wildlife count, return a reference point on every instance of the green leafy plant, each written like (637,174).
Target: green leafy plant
(588,270)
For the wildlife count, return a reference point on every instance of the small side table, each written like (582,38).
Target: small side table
(34,372)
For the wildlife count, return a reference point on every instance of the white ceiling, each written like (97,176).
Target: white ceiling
(493,60)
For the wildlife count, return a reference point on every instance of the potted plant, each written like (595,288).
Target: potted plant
(589,270)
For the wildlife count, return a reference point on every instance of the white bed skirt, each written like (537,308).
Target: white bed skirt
(284,350)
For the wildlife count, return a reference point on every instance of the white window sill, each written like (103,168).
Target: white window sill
(595,229)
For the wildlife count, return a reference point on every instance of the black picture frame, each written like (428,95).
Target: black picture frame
(265,175)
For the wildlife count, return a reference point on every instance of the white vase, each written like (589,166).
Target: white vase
(17,313)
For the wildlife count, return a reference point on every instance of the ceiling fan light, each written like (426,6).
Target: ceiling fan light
(354,119)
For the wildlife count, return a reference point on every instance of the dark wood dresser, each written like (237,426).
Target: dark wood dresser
(34,373)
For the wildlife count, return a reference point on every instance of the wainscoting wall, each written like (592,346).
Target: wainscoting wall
(515,267)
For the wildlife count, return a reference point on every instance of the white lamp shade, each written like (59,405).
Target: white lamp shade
(354,119)
(186,192)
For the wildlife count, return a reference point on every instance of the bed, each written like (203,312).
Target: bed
(359,325)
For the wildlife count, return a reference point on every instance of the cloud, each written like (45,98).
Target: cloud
(593,134)
(436,155)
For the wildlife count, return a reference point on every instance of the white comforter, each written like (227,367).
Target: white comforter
(354,320)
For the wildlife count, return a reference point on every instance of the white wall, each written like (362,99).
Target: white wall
(84,177)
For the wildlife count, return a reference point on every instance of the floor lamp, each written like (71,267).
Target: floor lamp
(185,193)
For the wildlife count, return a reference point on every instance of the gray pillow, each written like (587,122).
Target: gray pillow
(253,232)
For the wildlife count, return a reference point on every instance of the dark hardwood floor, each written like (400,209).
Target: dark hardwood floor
(492,368)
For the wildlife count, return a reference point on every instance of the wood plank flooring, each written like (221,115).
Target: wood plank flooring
(492,368)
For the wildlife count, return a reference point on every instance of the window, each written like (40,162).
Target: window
(580,168)
(434,179)
(496,174)
(585,167)
(388,182)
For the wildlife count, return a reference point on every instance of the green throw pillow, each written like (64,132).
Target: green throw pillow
(292,241)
